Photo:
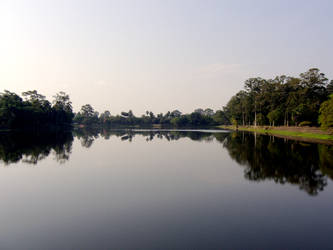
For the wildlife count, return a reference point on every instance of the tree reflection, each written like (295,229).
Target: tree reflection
(87,135)
(307,165)
(33,147)
(284,161)
(326,159)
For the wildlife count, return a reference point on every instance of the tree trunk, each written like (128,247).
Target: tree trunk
(285,118)
(286,122)
(292,117)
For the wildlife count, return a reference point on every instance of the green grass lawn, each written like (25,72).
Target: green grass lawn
(283,132)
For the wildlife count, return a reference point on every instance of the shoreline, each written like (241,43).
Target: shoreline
(307,134)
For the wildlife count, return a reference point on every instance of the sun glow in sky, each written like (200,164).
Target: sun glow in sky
(158,55)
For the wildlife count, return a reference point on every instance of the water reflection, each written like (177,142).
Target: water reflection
(88,135)
(33,147)
(307,165)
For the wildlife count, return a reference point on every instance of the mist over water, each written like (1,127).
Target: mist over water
(148,189)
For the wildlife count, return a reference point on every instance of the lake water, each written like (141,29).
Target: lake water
(164,190)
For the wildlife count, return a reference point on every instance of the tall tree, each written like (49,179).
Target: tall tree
(326,114)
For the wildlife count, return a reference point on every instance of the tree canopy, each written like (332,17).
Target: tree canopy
(284,100)
(326,113)
(35,111)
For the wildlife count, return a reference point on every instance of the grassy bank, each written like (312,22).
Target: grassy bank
(292,132)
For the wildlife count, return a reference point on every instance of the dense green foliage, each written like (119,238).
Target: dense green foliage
(283,100)
(88,116)
(326,113)
(35,111)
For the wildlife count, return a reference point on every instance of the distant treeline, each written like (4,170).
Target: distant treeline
(88,116)
(33,111)
(284,100)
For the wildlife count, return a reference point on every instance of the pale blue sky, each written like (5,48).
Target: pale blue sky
(158,55)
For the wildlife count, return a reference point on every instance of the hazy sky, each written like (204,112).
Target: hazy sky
(158,55)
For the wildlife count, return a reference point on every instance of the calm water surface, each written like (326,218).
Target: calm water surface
(164,190)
